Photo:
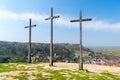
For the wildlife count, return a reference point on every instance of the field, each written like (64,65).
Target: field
(60,71)
(109,53)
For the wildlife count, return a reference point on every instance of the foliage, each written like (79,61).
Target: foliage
(17,52)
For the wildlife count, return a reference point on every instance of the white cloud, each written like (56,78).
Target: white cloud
(4,14)
(101,25)
(62,21)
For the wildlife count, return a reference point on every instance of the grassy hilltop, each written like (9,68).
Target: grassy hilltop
(25,71)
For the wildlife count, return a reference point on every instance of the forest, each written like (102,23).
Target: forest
(62,52)
(17,51)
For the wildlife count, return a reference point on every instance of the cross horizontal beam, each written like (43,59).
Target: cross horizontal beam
(88,19)
(52,17)
(29,26)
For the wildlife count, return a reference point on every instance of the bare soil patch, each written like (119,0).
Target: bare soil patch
(89,67)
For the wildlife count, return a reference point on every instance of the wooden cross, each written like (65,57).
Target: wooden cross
(51,34)
(29,45)
(80,21)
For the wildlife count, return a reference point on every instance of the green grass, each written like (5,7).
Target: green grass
(99,77)
(79,75)
(57,74)
(21,76)
(41,73)
(111,75)
(4,67)
(39,76)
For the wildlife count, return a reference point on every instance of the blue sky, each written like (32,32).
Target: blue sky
(103,30)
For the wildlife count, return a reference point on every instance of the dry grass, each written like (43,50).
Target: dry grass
(31,70)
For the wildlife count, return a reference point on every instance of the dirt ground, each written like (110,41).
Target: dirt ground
(89,67)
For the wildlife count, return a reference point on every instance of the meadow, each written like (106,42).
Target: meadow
(42,71)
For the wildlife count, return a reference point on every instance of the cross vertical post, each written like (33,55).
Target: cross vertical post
(80,21)
(29,45)
(51,36)
(80,59)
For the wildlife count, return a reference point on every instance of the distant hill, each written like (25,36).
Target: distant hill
(17,51)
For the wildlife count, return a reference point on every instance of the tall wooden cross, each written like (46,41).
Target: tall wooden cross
(29,45)
(51,35)
(80,21)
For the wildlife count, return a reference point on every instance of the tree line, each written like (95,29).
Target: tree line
(17,51)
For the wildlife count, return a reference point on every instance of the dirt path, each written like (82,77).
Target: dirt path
(89,67)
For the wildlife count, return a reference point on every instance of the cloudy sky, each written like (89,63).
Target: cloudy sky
(103,30)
